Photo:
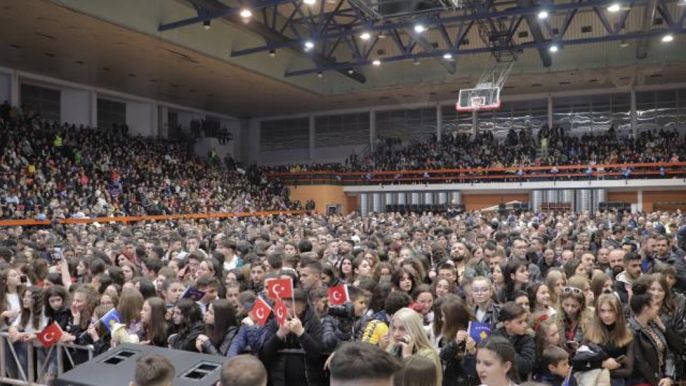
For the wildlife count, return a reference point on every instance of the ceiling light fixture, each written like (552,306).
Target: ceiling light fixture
(615,7)
(320,74)
(246,13)
(554,48)
(543,14)
(272,52)
(416,62)
(309,45)
(419,28)
(365,36)
(376,62)
(310,2)
(624,44)
(448,56)
(351,71)
(206,25)
(667,38)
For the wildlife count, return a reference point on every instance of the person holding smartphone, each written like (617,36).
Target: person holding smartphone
(610,341)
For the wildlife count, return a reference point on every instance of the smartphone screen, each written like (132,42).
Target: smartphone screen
(57,253)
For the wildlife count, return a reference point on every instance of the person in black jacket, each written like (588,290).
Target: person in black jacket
(155,329)
(187,317)
(345,323)
(56,307)
(293,352)
(653,360)
(456,317)
(515,324)
(221,326)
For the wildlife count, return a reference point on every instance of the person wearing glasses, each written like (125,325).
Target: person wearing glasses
(485,310)
(575,317)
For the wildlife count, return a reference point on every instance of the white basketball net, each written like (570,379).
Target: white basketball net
(477,102)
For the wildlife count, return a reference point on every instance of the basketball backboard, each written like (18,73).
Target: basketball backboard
(475,99)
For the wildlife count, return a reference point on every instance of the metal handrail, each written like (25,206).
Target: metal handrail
(28,379)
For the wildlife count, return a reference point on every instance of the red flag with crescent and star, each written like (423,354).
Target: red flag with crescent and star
(260,311)
(281,288)
(50,335)
(338,295)
(280,312)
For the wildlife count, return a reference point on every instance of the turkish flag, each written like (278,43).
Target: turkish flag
(279,288)
(260,311)
(50,335)
(338,295)
(281,312)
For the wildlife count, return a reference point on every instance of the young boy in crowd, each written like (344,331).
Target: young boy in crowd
(153,370)
(556,361)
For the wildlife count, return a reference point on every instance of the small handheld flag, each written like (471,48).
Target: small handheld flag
(280,312)
(338,295)
(111,318)
(568,378)
(261,311)
(279,288)
(193,293)
(479,331)
(50,335)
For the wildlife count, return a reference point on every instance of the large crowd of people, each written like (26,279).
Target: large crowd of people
(600,293)
(52,171)
(550,147)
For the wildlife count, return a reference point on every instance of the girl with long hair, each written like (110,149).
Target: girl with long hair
(516,277)
(407,338)
(345,269)
(11,290)
(485,308)
(361,269)
(610,341)
(423,298)
(555,280)
(404,280)
(574,317)
(56,306)
(539,299)
(154,326)
(221,327)
(187,319)
(416,371)
(456,316)
(442,287)
(129,308)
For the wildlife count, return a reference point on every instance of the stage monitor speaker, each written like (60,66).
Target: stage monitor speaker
(116,367)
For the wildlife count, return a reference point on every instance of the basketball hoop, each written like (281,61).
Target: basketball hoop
(477,102)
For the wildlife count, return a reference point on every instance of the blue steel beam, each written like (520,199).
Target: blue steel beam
(525,46)
(218,14)
(435,22)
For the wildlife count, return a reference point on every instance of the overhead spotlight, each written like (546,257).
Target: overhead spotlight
(320,74)
(272,52)
(376,62)
(554,48)
(309,45)
(310,2)
(365,36)
(668,38)
(624,44)
(383,35)
(614,7)
(419,28)
(206,25)
(351,71)
(448,56)
(246,13)
(416,62)
(543,15)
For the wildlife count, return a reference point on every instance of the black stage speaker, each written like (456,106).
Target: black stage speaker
(116,367)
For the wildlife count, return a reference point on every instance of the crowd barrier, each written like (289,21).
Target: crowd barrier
(33,370)
(500,174)
(127,219)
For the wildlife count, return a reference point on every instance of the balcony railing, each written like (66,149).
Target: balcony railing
(483,175)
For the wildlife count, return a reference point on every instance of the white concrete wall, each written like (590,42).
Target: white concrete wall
(75,107)
(139,118)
